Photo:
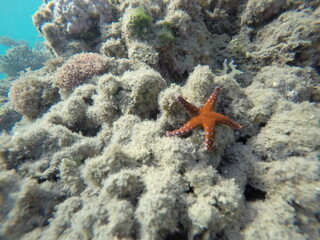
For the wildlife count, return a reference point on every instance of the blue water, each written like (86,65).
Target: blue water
(16,21)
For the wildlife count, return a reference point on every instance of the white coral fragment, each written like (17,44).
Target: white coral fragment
(229,69)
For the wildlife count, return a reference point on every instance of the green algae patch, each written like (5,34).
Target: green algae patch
(140,21)
(166,35)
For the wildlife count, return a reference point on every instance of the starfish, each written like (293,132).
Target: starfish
(206,117)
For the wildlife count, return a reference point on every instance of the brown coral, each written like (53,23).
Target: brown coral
(78,69)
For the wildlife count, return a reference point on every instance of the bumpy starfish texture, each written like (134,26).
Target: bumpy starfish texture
(206,117)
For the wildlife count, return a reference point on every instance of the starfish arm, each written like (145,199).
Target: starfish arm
(221,119)
(210,134)
(193,110)
(189,126)
(211,102)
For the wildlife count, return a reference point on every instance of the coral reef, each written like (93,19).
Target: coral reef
(8,117)
(89,158)
(77,69)
(20,57)
(175,31)
(280,134)
(61,21)
(5,85)
(9,42)
(32,95)
(286,39)
(140,22)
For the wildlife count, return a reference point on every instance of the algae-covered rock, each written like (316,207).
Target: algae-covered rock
(286,134)
(32,95)
(33,206)
(140,21)
(95,162)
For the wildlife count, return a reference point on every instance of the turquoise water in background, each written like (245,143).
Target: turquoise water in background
(16,21)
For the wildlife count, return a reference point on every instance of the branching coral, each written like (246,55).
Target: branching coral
(9,42)
(20,57)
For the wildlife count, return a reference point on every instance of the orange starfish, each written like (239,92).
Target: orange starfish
(206,117)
